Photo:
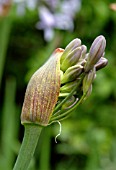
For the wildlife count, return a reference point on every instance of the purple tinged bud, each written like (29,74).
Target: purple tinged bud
(84,50)
(96,52)
(42,92)
(88,80)
(71,59)
(73,44)
(101,63)
(66,70)
(72,73)
(70,47)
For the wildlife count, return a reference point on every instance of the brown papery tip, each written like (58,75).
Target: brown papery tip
(59,50)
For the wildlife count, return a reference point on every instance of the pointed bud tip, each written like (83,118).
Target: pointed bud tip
(73,44)
(77,41)
(101,63)
(101,40)
(96,52)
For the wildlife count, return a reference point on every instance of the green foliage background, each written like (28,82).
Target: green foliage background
(88,138)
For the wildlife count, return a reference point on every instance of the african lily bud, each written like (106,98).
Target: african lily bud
(71,58)
(70,47)
(84,50)
(96,52)
(72,73)
(101,63)
(51,89)
(68,87)
(42,92)
(88,80)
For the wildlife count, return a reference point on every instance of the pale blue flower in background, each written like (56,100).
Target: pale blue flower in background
(20,4)
(46,23)
(53,4)
(49,21)
(31,4)
(64,22)
(70,7)
(46,18)
(53,14)
(59,15)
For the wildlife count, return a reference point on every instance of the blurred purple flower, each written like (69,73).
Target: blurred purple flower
(46,18)
(53,14)
(46,23)
(61,19)
(53,4)
(70,7)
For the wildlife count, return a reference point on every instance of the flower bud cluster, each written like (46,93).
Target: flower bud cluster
(75,61)
(78,68)
(63,82)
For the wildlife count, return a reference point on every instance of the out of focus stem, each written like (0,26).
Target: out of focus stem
(5,28)
(30,140)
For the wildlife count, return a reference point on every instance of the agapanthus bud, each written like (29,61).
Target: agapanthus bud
(70,47)
(96,52)
(101,63)
(88,80)
(71,59)
(67,88)
(42,92)
(84,50)
(63,82)
(71,73)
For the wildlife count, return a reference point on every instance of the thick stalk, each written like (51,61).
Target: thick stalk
(5,27)
(45,149)
(31,136)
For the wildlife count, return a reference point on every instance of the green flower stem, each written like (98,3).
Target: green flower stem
(31,136)
(61,103)
(66,113)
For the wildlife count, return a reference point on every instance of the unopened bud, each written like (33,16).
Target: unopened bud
(96,52)
(42,92)
(63,82)
(101,63)
(84,50)
(71,59)
(70,47)
(71,73)
(88,80)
